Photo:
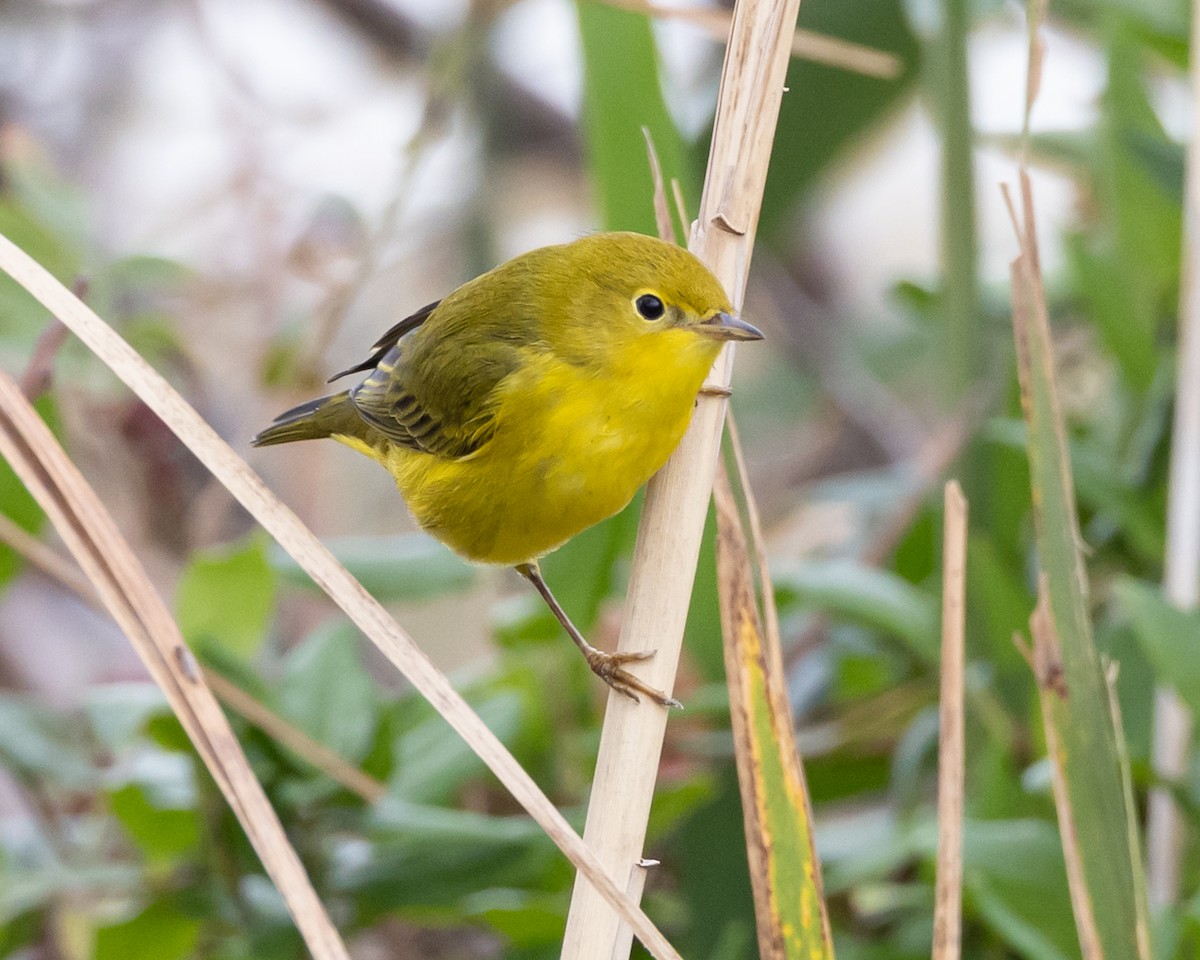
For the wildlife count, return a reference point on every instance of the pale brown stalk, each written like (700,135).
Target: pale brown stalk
(677,498)
(662,211)
(947,907)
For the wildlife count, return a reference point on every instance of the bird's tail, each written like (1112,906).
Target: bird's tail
(313,420)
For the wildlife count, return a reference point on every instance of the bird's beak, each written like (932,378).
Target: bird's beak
(725,326)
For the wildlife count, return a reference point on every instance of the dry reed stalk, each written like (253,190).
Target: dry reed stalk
(947,907)
(806,44)
(662,210)
(122,585)
(38,371)
(668,542)
(325,571)
(1165,828)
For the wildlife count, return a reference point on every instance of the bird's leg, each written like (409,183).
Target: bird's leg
(609,667)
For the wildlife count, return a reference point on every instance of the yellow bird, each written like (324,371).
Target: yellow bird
(535,400)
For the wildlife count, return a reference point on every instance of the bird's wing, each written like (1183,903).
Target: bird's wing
(389,340)
(442,402)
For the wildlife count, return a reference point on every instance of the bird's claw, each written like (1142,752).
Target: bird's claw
(609,668)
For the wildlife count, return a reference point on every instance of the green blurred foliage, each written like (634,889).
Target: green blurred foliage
(226,597)
(128,850)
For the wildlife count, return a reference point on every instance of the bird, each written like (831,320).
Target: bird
(535,400)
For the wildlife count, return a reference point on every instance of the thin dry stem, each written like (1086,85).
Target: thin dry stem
(662,212)
(1165,829)
(40,369)
(122,585)
(677,498)
(680,205)
(638,875)
(325,571)
(947,909)
(806,44)
(766,585)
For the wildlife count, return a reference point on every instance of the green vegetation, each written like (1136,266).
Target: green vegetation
(116,845)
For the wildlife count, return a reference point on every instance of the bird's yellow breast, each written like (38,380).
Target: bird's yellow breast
(573,443)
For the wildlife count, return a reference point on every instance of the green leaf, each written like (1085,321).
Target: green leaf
(37,741)
(163,834)
(434,857)
(326,692)
(811,136)
(118,712)
(432,761)
(1111,302)
(1168,636)
(16,502)
(524,919)
(445,827)
(621,96)
(1093,814)
(24,888)
(1161,159)
(392,569)
(1013,875)
(867,595)
(226,596)
(160,931)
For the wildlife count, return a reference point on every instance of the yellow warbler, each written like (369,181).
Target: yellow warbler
(535,400)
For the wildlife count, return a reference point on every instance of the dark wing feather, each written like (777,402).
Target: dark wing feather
(389,340)
(452,420)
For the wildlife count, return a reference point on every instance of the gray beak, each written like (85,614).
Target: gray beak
(725,326)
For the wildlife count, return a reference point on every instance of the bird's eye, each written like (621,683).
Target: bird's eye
(649,306)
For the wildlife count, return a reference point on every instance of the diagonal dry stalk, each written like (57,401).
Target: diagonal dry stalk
(325,571)
(122,585)
(947,907)
(1165,830)
(677,498)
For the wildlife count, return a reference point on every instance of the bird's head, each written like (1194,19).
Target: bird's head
(634,292)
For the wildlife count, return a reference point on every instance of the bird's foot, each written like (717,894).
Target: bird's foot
(609,667)
(715,390)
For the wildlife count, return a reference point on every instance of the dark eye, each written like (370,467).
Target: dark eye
(649,306)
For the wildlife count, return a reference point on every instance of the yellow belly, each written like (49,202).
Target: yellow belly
(570,450)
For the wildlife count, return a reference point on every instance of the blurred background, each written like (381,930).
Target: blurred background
(251,191)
